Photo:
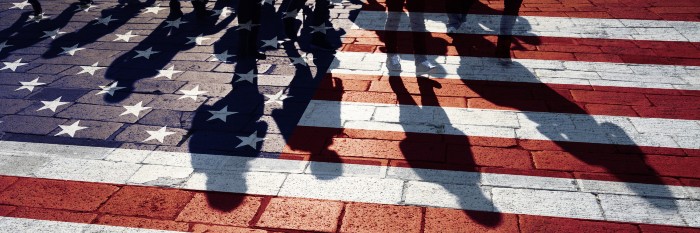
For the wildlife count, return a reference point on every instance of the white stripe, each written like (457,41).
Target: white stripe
(14,225)
(526,70)
(630,29)
(620,130)
(559,197)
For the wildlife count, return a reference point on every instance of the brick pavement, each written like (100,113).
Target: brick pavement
(116,117)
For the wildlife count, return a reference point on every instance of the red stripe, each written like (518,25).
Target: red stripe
(654,165)
(597,100)
(226,212)
(683,10)
(529,47)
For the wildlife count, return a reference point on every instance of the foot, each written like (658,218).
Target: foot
(394,62)
(200,9)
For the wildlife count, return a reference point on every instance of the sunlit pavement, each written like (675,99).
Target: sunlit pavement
(370,117)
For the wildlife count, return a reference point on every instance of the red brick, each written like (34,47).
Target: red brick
(372,218)
(667,229)
(672,112)
(301,214)
(544,55)
(147,201)
(601,97)
(690,182)
(6,181)
(137,222)
(614,110)
(569,48)
(589,162)
(451,220)
(514,104)
(551,224)
(5,210)
(597,57)
(678,101)
(489,156)
(394,136)
(359,48)
(385,149)
(220,208)
(674,166)
(57,194)
(480,141)
(344,84)
(54,215)
(628,178)
(202,228)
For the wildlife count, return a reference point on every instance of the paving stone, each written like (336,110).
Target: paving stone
(220,209)
(361,217)
(147,202)
(29,124)
(301,214)
(96,112)
(57,194)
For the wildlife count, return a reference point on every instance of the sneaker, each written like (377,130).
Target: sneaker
(394,62)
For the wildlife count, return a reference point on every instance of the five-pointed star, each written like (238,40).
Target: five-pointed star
(71,50)
(224,12)
(39,18)
(221,114)
(290,14)
(20,5)
(135,109)
(246,26)
(263,2)
(251,140)
(174,23)
(52,105)
(30,85)
(125,37)
(145,53)
(320,28)
(70,129)
(197,39)
(13,65)
(154,9)
(168,73)
(250,76)
(276,98)
(192,94)
(271,42)
(4,45)
(53,33)
(298,60)
(104,20)
(158,134)
(109,89)
(223,57)
(90,69)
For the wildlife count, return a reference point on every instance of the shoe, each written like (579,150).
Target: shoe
(84,4)
(38,16)
(394,62)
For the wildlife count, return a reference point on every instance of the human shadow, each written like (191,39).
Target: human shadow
(24,33)
(117,16)
(593,141)
(167,41)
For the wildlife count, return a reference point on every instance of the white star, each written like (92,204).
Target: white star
(263,2)
(109,89)
(30,85)
(250,76)
(246,26)
(145,53)
(90,69)
(135,109)
(276,98)
(320,28)
(251,140)
(226,11)
(71,50)
(70,129)
(13,65)
(192,94)
(4,45)
(85,7)
(221,114)
(223,57)
(52,105)
(197,39)
(168,73)
(104,20)
(271,42)
(174,23)
(290,14)
(20,5)
(158,134)
(125,37)
(39,18)
(298,60)
(53,33)
(154,9)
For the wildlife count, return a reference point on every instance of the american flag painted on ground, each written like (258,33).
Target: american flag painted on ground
(444,116)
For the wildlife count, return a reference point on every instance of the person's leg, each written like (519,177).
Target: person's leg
(175,10)
(456,13)
(36,6)
(290,9)
(200,8)
(319,19)
(249,13)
